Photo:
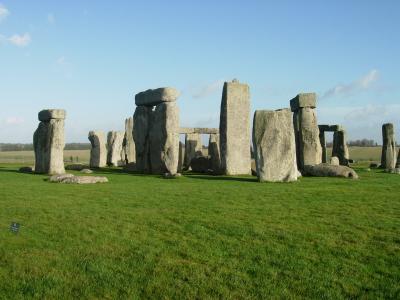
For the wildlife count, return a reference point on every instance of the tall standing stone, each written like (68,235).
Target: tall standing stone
(340,149)
(308,146)
(388,158)
(193,148)
(181,156)
(398,161)
(129,143)
(214,152)
(142,121)
(98,152)
(115,154)
(164,139)
(274,145)
(234,128)
(49,142)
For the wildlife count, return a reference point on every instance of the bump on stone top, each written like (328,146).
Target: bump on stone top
(303,100)
(48,114)
(156,96)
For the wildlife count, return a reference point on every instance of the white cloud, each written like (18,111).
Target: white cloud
(14,120)
(208,89)
(20,40)
(363,83)
(51,18)
(4,12)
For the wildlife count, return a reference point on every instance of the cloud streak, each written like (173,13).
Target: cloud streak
(14,121)
(20,40)
(364,83)
(4,12)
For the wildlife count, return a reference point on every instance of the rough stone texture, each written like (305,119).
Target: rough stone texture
(164,139)
(303,100)
(334,161)
(200,164)
(214,153)
(156,96)
(181,156)
(308,146)
(69,178)
(184,130)
(327,170)
(49,142)
(98,152)
(388,158)
(142,120)
(115,154)
(193,148)
(129,143)
(274,145)
(340,149)
(76,167)
(322,141)
(86,171)
(234,128)
(48,114)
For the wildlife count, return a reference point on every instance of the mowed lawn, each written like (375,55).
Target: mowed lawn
(199,237)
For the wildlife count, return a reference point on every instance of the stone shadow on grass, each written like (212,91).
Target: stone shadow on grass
(222,178)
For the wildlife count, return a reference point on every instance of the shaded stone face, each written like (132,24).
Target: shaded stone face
(340,149)
(142,120)
(181,156)
(48,114)
(388,158)
(129,143)
(327,170)
(214,153)
(235,129)
(98,152)
(398,161)
(156,96)
(115,154)
(274,146)
(164,139)
(334,161)
(49,142)
(193,148)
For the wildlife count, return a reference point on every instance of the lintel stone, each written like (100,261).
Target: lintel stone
(156,96)
(48,114)
(303,100)
(184,130)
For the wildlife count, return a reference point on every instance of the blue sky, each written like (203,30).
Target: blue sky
(92,57)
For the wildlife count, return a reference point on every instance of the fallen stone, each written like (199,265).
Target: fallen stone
(327,170)
(76,167)
(86,171)
(60,177)
(77,179)
(274,146)
(98,152)
(156,96)
(26,169)
(334,161)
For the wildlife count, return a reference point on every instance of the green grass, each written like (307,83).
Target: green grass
(200,237)
(28,157)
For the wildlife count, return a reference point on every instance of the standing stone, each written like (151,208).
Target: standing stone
(274,145)
(115,155)
(49,142)
(234,128)
(129,143)
(98,153)
(214,152)
(334,161)
(308,146)
(193,148)
(398,161)
(181,156)
(322,140)
(164,139)
(142,120)
(388,159)
(340,149)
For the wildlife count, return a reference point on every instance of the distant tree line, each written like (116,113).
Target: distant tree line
(358,143)
(29,147)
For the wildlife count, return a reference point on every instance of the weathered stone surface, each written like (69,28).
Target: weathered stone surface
(234,129)
(142,122)
(303,100)
(193,148)
(172,176)
(129,143)
(69,178)
(98,152)
(49,142)
(48,114)
(330,128)
(334,161)
(308,146)
(340,149)
(26,169)
(156,96)
(274,145)
(388,158)
(214,153)
(76,167)
(184,130)
(86,171)
(327,170)
(398,161)
(200,164)
(181,156)
(164,139)
(115,154)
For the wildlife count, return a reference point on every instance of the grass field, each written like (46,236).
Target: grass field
(82,156)
(199,237)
